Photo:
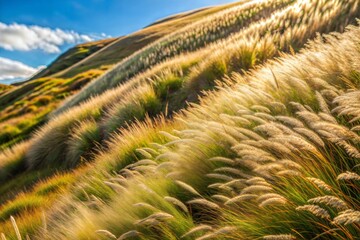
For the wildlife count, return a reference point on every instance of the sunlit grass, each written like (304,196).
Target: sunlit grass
(270,153)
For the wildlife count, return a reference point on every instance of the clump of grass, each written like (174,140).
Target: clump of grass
(52,185)
(12,161)
(81,142)
(165,87)
(8,132)
(141,103)
(42,100)
(21,205)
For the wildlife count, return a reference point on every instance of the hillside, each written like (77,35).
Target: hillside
(4,88)
(27,106)
(241,123)
(72,56)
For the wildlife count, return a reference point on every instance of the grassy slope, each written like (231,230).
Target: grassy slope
(193,153)
(4,88)
(127,45)
(27,105)
(72,56)
(270,164)
(191,38)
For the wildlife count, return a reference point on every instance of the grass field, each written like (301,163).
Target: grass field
(241,125)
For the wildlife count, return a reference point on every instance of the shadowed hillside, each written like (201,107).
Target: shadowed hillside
(243,124)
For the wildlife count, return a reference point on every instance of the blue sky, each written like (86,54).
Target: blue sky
(34,32)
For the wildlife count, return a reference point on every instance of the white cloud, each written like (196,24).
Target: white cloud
(25,38)
(14,70)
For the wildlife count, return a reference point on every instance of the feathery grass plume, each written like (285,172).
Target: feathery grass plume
(158,216)
(187,187)
(142,162)
(268,129)
(309,117)
(236,183)
(114,186)
(204,202)
(215,185)
(291,122)
(268,168)
(273,201)
(16,228)
(129,234)
(315,209)
(254,119)
(348,105)
(240,121)
(247,163)
(256,189)
(310,135)
(258,181)
(197,229)
(250,134)
(128,173)
(145,205)
(267,196)
(330,201)
(166,166)
(260,108)
(3,236)
(277,106)
(288,173)
(327,117)
(225,188)
(275,147)
(356,128)
(289,164)
(120,179)
(255,154)
(350,150)
(319,183)
(348,176)
(176,202)
(219,176)
(231,170)
(322,103)
(340,131)
(241,198)
(296,141)
(279,237)
(169,136)
(265,116)
(220,198)
(106,233)
(144,153)
(152,151)
(347,217)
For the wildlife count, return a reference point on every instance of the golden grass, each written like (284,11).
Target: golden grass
(272,154)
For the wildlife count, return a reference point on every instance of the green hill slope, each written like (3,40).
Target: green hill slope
(26,107)
(229,128)
(4,88)
(72,56)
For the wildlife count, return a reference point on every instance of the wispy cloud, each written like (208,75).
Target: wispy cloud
(14,70)
(25,38)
